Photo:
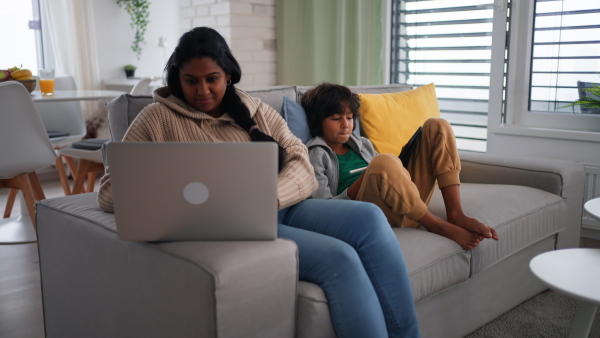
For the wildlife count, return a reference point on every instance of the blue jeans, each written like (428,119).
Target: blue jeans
(350,251)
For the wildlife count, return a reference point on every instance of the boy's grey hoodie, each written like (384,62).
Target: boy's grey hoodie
(326,164)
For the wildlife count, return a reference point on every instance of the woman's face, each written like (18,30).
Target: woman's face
(203,84)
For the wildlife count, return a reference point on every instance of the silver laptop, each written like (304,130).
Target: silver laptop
(194,191)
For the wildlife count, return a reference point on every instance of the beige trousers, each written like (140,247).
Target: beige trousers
(400,192)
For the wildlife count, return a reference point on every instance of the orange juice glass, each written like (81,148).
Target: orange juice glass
(46,81)
(47,87)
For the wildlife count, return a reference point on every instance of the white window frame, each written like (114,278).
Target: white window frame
(518,120)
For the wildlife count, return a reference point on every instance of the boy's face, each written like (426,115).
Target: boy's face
(337,128)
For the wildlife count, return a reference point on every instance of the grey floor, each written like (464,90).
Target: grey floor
(20,291)
(20,295)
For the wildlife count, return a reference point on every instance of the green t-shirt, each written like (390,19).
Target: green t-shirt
(349,161)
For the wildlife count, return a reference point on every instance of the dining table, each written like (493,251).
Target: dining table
(75,95)
(20,229)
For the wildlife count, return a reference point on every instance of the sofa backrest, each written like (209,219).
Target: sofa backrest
(273,96)
(370,89)
(123,109)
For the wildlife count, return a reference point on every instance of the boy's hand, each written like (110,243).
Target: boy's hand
(353,189)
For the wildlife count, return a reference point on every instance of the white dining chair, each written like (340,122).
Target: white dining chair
(89,154)
(89,163)
(63,117)
(24,148)
(141,87)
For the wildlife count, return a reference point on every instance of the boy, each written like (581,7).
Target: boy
(338,156)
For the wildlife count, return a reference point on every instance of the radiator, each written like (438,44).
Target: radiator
(592,190)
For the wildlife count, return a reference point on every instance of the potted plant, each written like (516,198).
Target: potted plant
(589,103)
(129,70)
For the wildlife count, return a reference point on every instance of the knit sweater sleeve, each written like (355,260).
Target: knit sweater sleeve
(144,128)
(296,181)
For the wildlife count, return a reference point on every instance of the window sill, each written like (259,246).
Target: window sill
(563,134)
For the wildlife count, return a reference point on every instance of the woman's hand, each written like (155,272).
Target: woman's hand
(353,189)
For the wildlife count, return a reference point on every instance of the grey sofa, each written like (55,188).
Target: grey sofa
(95,285)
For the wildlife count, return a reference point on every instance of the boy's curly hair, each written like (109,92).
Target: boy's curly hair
(325,100)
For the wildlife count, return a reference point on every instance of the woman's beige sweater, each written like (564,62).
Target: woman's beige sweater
(169,119)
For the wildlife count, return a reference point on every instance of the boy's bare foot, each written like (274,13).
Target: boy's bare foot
(474,225)
(466,239)
(455,214)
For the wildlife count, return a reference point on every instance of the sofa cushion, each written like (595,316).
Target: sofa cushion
(313,318)
(521,215)
(368,89)
(294,115)
(273,96)
(439,264)
(390,119)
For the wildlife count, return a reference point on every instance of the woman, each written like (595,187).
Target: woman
(337,155)
(345,247)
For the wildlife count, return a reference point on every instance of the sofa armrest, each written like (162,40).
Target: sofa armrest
(563,178)
(95,285)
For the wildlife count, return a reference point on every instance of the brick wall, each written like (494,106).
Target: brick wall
(249,28)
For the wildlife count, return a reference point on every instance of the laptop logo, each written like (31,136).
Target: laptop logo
(195,193)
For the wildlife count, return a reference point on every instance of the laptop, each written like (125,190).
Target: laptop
(171,191)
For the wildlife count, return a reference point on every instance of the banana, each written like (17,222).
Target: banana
(21,73)
(25,78)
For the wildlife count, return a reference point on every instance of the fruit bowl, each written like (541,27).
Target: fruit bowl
(29,84)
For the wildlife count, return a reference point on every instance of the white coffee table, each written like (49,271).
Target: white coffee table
(592,207)
(576,273)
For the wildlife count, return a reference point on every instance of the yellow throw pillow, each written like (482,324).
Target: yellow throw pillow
(390,119)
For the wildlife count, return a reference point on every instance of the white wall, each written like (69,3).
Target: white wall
(247,25)
(114,37)
(525,143)
(249,28)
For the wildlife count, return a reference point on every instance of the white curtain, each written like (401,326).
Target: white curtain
(70,48)
(69,38)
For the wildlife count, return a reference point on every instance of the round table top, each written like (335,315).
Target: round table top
(592,207)
(574,272)
(75,95)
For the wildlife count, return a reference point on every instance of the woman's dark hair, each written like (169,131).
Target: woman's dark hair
(203,42)
(325,100)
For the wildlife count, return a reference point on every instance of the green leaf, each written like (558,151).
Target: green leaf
(586,101)
(139,11)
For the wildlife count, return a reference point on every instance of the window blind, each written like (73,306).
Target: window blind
(447,43)
(566,50)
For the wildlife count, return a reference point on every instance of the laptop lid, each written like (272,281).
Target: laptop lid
(169,191)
